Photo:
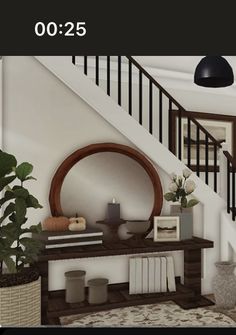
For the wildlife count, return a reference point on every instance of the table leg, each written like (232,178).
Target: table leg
(192,270)
(192,280)
(43,270)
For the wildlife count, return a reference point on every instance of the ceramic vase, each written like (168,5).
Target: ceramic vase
(224,285)
(186,220)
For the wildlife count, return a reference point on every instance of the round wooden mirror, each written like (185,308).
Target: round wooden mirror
(70,161)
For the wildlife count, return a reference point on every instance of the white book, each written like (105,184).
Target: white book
(157,282)
(132,281)
(145,275)
(163,275)
(151,274)
(138,274)
(73,244)
(170,274)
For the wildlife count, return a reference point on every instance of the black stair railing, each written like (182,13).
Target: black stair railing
(186,138)
(231,186)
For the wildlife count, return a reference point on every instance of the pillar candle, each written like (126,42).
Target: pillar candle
(113,210)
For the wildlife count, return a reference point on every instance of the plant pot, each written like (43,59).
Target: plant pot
(224,285)
(186,221)
(20,305)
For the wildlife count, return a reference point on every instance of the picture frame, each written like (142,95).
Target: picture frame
(222,127)
(166,228)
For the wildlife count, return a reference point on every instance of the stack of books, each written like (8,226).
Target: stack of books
(69,238)
(151,274)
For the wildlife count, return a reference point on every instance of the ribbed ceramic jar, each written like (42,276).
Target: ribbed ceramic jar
(224,285)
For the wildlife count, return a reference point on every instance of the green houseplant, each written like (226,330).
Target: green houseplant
(18,251)
(181,192)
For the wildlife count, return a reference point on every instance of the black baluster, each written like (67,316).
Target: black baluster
(130,87)
(140,97)
(171,139)
(108,76)
(85,65)
(97,70)
(119,80)
(206,159)
(215,167)
(150,106)
(233,193)
(228,186)
(198,151)
(73,60)
(160,116)
(189,142)
(180,135)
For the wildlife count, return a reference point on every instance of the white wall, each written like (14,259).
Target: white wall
(43,122)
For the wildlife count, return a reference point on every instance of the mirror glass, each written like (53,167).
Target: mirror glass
(94,181)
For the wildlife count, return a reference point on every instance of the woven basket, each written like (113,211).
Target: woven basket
(20,305)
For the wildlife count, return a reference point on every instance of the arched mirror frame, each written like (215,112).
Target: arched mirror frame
(78,155)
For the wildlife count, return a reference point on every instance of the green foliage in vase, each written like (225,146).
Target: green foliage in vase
(17,248)
(180,188)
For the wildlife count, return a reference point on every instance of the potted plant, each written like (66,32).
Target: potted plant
(181,188)
(20,287)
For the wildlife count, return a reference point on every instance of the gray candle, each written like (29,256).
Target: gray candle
(113,210)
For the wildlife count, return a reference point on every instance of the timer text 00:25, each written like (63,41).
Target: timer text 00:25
(65,29)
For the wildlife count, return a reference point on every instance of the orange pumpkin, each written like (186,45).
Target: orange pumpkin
(59,223)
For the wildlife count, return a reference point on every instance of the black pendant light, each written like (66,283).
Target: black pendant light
(213,71)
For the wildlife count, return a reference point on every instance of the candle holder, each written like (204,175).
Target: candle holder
(113,226)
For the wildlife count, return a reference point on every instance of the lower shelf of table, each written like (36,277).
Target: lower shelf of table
(118,296)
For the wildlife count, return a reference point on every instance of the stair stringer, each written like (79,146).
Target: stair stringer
(213,204)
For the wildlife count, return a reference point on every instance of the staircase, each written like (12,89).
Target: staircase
(136,105)
(184,136)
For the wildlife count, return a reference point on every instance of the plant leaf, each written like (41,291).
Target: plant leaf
(4,181)
(10,231)
(30,177)
(7,196)
(21,192)
(169,196)
(11,266)
(31,201)
(23,170)
(7,163)
(20,210)
(192,203)
(35,228)
(9,209)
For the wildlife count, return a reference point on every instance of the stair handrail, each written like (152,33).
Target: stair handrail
(169,96)
(231,178)
(230,158)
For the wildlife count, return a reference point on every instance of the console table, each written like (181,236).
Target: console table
(187,296)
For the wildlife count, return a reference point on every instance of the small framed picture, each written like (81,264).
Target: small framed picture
(166,228)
